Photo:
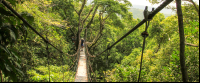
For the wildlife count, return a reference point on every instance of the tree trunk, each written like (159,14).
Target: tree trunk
(85,38)
(80,21)
(77,39)
(78,33)
(182,41)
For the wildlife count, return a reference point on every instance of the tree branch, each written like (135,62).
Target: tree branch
(65,13)
(191,1)
(72,31)
(83,4)
(106,17)
(195,6)
(89,13)
(101,29)
(189,44)
(97,39)
(76,11)
(88,25)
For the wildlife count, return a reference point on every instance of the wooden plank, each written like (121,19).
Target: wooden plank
(81,73)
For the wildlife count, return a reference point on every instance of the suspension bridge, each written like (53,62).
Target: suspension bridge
(82,60)
(81,74)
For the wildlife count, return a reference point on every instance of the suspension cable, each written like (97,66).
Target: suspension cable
(70,67)
(150,16)
(144,34)
(73,63)
(33,29)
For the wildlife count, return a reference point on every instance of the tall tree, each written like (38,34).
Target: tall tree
(182,41)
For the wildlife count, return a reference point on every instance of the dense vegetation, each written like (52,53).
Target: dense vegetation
(26,57)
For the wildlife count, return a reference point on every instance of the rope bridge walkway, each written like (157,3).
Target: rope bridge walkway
(81,74)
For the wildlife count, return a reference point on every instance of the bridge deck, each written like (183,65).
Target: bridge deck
(81,73)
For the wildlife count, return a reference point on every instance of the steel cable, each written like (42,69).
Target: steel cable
(159,8)
(33,29)
(47,49)
(144,34)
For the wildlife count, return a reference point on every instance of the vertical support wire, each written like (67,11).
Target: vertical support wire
(48,52)
(144,34)
(94,75)
(107,60)
(87,63)
(47,48)
(62,64)
(90,69)
(96,71)
(141,58)
(62,67)
(69,66)
(107,56)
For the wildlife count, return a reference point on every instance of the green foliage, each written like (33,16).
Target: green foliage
(10,29)
(41,74)
(23,50)
(20,48)
(161,62)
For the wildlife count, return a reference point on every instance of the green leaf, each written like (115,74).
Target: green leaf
(12,36)
(15,31)
(5,49)
(18,65)
(19,71)
(7,67)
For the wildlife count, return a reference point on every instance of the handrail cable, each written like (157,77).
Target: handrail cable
(92,70)
(89,53)
(37,14)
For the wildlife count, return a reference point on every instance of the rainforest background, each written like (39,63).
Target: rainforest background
(26,57)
